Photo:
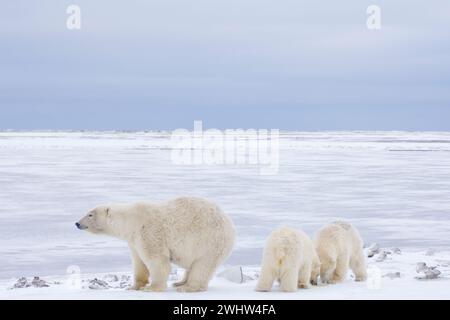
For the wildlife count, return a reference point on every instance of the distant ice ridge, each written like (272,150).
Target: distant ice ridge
(326,140)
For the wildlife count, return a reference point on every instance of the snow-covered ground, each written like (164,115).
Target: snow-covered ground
(394,186)
(394,278)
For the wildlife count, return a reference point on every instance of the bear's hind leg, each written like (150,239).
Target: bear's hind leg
(358,266)
(266,279)
(327,268)
(341,271)
(289,280)
(200,274)
(304,276)
(315,271)
(159,269)
(141,273)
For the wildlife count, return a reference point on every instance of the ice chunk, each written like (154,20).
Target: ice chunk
(97,284)
(421,267)
(393,275)
(429,273)
(21,283)
(235,274)
(39,283)
(125,278)
(432,273)
(382,256)
(125,281)
(24,283)
(373,250)
(111,278)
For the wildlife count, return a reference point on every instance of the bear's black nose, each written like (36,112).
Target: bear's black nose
(78,225)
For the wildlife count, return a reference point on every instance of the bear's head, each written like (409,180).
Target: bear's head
(96,220)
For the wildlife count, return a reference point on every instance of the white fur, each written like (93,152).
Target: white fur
(290,258)
(189,232)
(339,247)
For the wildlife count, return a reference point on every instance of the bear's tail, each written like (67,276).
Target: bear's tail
(280,256)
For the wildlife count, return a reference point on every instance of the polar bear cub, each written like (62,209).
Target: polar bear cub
(339,247)
(189,232)
(290,258)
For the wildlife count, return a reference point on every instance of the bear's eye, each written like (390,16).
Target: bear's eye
(90,216)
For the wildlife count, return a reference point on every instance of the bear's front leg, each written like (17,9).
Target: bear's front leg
(159,268)
(358,266)
(141,272)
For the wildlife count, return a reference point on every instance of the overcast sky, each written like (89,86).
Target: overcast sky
(161,64)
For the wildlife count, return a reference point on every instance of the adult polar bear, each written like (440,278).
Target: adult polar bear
(189,232)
